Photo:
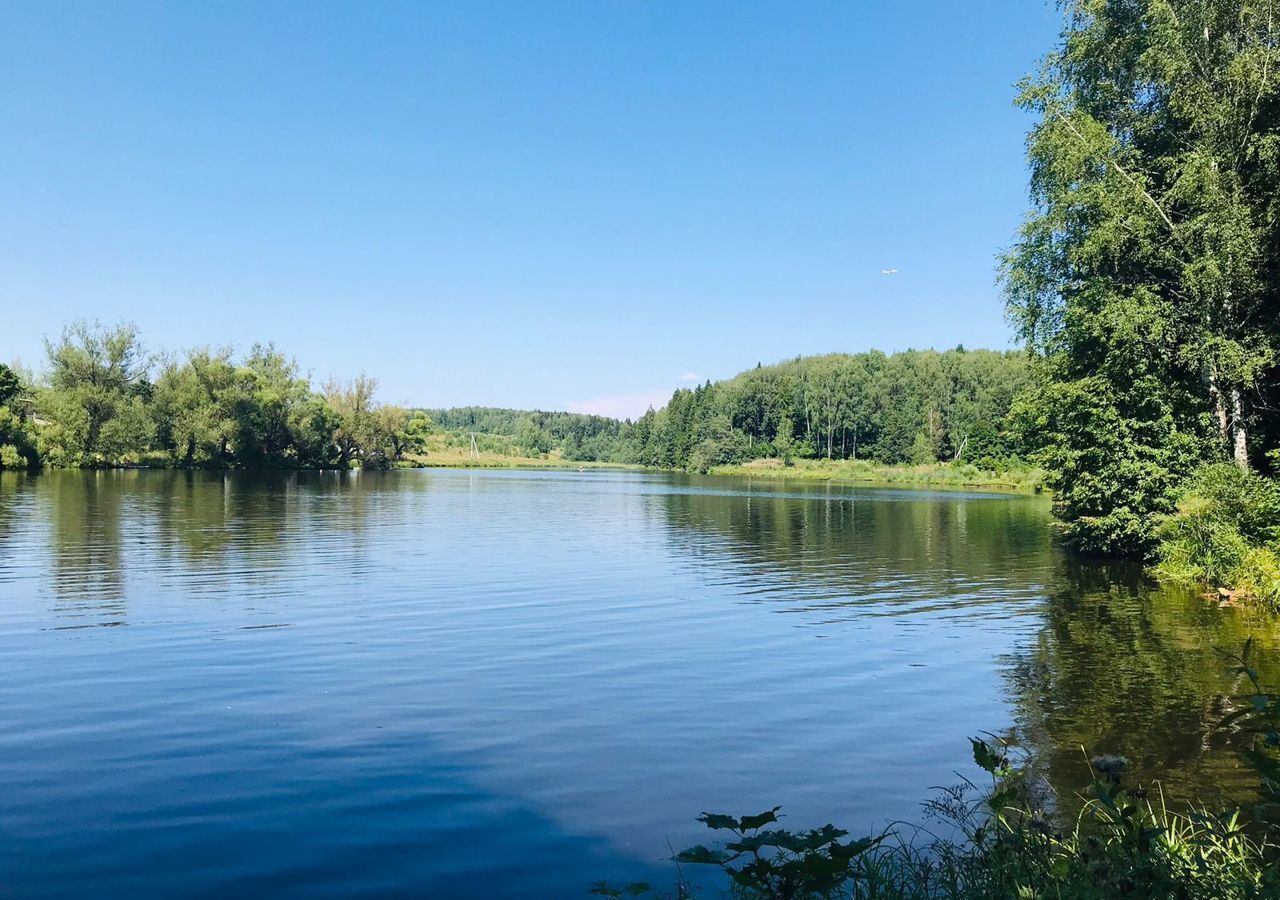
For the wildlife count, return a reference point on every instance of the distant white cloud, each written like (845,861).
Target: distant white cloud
(888,271)
(690,376)
(621,406)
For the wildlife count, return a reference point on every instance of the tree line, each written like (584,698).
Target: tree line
(577,435)
(104,401)
(918,406)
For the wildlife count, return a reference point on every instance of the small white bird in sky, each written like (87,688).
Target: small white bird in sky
(888,271)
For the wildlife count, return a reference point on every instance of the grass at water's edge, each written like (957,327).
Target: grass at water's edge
(863,471)
(838,471)
(847,471)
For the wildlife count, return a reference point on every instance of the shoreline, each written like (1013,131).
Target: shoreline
(1029,481)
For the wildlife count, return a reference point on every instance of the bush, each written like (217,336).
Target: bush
(10,458)
(1225,531)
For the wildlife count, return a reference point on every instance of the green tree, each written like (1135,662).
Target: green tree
(416,431)
(197,407)
(359,434)
(532,438)
(9,384)
(96,401)
(1146,276)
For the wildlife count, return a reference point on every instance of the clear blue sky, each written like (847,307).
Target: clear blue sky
(550,204)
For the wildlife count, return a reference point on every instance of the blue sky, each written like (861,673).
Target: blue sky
(535,204)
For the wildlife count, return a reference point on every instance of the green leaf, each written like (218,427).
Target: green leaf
(718,821)
(748,844)
(756,821)
(986,758)
(703,856)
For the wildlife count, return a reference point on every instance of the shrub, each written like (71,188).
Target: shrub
(1225,531)
(10,458)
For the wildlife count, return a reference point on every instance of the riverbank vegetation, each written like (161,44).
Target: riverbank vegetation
(104,401)
(1013,476)
(1225,531)
(1146,283)
(918,417)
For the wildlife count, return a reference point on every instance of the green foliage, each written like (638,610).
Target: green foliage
(1145,278)
(838,406)
(1225,531)
(581,437)
(196,407)
(10,458)
(532,438)
(364,432)
(417,428)
(209,408)
(9,384)
(780,863)
(100,408)
(17,445)
(922,450)
(919,406)
(1114,457)
(96,401)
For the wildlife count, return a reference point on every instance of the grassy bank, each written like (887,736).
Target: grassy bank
(853,471)
(446,451)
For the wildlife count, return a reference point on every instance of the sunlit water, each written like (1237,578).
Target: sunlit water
(511,684)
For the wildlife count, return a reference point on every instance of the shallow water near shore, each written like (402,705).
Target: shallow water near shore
(513,683)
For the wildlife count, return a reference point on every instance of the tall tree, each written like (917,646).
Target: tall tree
(1146,279)
(98,385)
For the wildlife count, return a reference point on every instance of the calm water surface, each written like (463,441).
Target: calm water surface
(502,684)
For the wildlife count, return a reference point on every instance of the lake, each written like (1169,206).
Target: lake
(512,684)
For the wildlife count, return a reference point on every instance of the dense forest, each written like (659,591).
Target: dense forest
(104,401)
(918,406)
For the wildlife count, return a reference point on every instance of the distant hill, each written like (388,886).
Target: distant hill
(915,406)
